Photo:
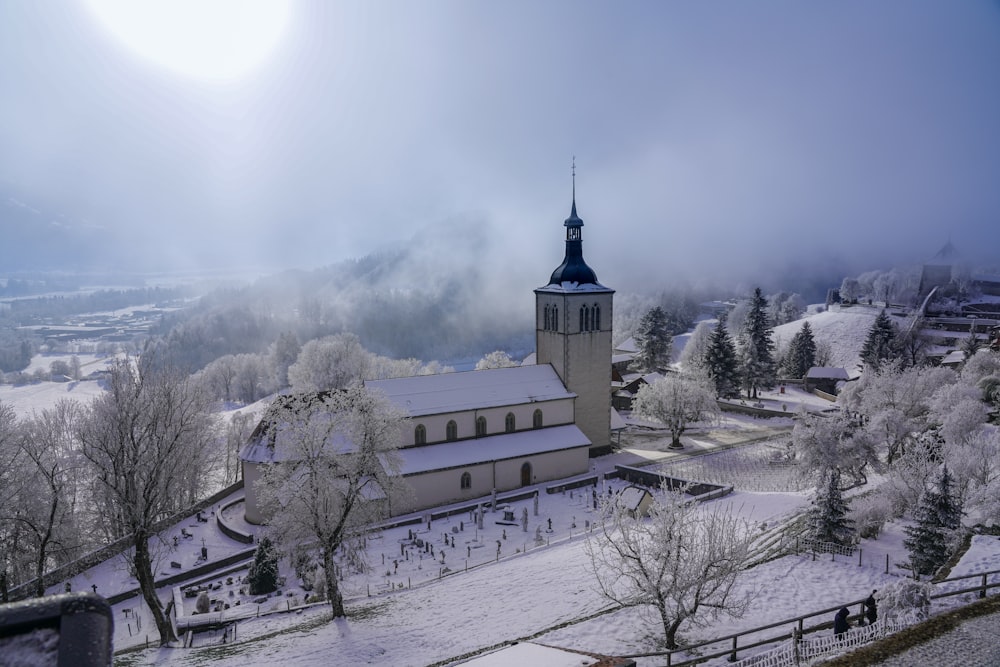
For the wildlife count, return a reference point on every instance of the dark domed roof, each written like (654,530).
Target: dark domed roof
(573,268)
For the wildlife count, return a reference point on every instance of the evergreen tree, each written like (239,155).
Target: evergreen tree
(757,363)
(720,362)
(653,340)
(262,576)
(827,518)
(880,345)
(801,353)
(937,516)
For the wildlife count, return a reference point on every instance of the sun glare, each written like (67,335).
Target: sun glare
(206,39)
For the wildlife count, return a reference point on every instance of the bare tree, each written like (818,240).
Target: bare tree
(675,402)
(333,465)
(683,561)
(47,503)
(144,439)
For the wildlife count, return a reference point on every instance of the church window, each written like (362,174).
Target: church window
(420,435)
(536,419)
(466,481)
(583,310)
(509,424)
(480,426)
(451,431)
(555,318)
(597,318)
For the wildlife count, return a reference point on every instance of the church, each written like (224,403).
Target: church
(475,431)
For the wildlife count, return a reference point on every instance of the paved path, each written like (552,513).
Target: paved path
(973,643)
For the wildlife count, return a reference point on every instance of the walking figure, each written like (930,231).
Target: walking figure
(840,623)
(871,608)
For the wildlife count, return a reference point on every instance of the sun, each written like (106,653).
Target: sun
(205,39)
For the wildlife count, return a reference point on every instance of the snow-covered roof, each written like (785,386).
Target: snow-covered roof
(452,392)
(617,421)
(575,287)
(827,373)
(426,458)
(627,345)
(631,497)
(954,357)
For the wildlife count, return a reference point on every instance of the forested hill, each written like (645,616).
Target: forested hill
(430,299)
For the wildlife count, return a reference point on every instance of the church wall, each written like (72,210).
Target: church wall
(553,413)
(251,473)
(442,487)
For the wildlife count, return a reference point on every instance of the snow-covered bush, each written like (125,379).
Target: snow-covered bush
(201,604)
(904,600)
(870,513)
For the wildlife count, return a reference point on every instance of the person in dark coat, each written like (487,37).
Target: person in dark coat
(871,609)
(840,624)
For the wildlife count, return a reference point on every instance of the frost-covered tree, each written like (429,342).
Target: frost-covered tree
(801,353)
(880,344)
(757,369)
(284,353)
(785,307)
(959,411)
(835,443)
(936,518)
(827,518)
(337,454)
(721,363)
(682,561)
(983,363)
(692,357)
(146,438)
(333,362)
(495,359)
(905,600)
(850,290)
(653,341)
(676,401)
(47,508)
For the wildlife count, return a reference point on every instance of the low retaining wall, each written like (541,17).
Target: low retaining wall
(232,531)
(654,480)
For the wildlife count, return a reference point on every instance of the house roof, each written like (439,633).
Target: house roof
(425,458)
(827,373)
(453,392)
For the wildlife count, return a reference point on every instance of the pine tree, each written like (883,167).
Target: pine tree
(937,516)
(801,353)
(262,576)
(720,362)
(653,340)
(880,345)
(827,518)
(757,362)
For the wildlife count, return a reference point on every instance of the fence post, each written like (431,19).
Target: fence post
(732,656)
(982,593)
(859,556)
(887,563)
(796,636)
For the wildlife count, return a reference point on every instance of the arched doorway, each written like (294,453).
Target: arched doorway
(526,474)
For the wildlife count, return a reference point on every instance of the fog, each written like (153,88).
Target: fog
(713,141)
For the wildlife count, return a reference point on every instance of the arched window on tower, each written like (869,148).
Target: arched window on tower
(420,435)
(597,318)
(545,326)
(536,419)
(451,431)
(466,481)
(583,310)
(480,426)
(555,318)
(508,423)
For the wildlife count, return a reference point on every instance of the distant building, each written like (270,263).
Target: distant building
(825,378)
(473,432)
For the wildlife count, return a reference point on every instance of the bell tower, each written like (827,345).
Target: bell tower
(573,333)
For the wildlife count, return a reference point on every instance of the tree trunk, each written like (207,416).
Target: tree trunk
(144,574)
(43,546)
(670,627)
(332,587)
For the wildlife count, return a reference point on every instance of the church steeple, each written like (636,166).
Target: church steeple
(573,268)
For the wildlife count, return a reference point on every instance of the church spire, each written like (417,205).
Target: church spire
(573,222)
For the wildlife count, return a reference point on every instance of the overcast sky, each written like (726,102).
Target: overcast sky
(703,131)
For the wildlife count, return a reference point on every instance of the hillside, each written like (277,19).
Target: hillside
(844,330)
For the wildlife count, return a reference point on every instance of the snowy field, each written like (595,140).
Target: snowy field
(546,595)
